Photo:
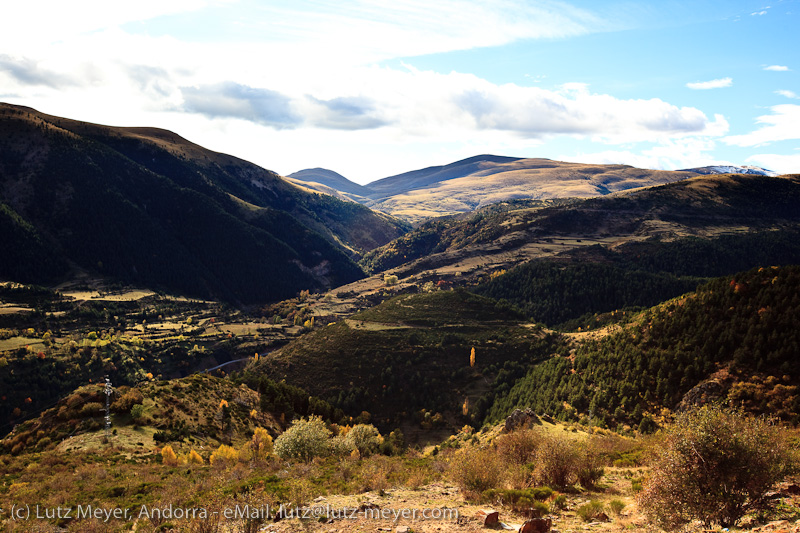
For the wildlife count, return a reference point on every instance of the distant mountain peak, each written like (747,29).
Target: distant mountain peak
(732,169)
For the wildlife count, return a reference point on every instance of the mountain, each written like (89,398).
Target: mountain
(426,177)
(472,183)
(145,206)
(731,169)
(324,180)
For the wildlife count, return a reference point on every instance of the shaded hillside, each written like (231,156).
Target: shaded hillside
(146,206)
(743,331)
(636,274)
(411,353)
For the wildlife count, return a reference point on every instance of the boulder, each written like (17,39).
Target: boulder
(536,525)
(520,419)
(489,517)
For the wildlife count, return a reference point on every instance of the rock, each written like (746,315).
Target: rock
(402,529)
(701,394)
(489,517)
(520,419)
(536,525)
(368,505)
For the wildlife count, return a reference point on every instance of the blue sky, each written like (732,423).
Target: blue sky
(374,88)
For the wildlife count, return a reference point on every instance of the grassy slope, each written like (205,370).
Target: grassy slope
(484,183)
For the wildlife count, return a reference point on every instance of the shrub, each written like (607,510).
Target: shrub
(590,511)
(519,447)
(137,411)
(616,506)
(304,440)
(126,402)
(365,438)
(526,501)
(476,470)
(559,502)
(558,460)
(92,409)
(713,465)
(589,466)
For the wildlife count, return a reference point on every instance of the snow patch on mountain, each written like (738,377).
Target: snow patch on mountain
(732,169)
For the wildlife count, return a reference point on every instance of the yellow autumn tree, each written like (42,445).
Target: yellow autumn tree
(472,357)
(194,458)
(261,444)
(168,456)
(223,456)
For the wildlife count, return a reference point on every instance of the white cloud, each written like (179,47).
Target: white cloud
(788,94)
(758,13)
(780,163)
(781,125)
(777,68)
(713,84)
(36,24)
(671,154)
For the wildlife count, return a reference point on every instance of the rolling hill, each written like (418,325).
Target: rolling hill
(472,183)
(475,244)
(411,355)
(146,206)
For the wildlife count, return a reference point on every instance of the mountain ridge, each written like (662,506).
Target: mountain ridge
(475,182)
(146,206)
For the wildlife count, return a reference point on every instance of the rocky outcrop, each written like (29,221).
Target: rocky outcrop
(520,419)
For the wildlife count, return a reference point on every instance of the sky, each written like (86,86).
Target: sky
(373,88)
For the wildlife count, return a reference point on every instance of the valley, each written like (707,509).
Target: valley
(271,340)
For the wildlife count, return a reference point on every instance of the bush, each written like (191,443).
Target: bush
(476,471)
(616,506)
(304,440)
(713,465)
(590,511)
(92,409)
(127,401)
(137,411)
(519,447)
(589,466)
(558,460)
(526,501)
(365,438)
(194,458)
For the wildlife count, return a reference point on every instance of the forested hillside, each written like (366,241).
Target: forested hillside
(744,331)
(636,274)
